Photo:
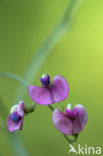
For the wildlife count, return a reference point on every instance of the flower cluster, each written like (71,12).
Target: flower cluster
(72,121)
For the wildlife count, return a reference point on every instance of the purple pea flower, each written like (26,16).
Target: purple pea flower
(71,121)
(15,119)
(49,93)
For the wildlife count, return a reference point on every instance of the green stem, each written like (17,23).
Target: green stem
(51,108)
(65,136)
(69,140)
(53,38)
(12,76)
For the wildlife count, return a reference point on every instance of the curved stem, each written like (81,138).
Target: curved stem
(49,44)
(65,136)
(69,140)
(12,76)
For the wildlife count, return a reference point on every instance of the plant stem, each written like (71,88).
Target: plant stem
(12,76)
(53,38)
(65,136)
(69,140)
(51,108)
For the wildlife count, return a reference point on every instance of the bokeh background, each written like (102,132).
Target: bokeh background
(24,25)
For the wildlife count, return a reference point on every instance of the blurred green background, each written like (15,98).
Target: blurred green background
(24,25)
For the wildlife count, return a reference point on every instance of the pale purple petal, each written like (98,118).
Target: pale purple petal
(55,92)
(62,122)
(20,108)
(80,120)
(12,126)
(41,95)
(59,88)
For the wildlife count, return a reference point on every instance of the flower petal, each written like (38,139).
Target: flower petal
(13,126)
(62,122)
(41,95)
(20,108)
(59,88)
(80,120)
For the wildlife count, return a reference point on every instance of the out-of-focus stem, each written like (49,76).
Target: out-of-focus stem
(53,38)
(15,77)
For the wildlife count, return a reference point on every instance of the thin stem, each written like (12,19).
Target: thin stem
(69,140)
(65,136)
(53,38)
(51,108)
(12,76)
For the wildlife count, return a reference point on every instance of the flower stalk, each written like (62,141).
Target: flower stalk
(31,108)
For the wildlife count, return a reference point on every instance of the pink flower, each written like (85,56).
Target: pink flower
(15,119)
(49,93)
(71,121)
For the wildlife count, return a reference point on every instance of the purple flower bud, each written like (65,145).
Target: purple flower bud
(15,119)
(49,93)
(45,80)
(71,121)
(71,113)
